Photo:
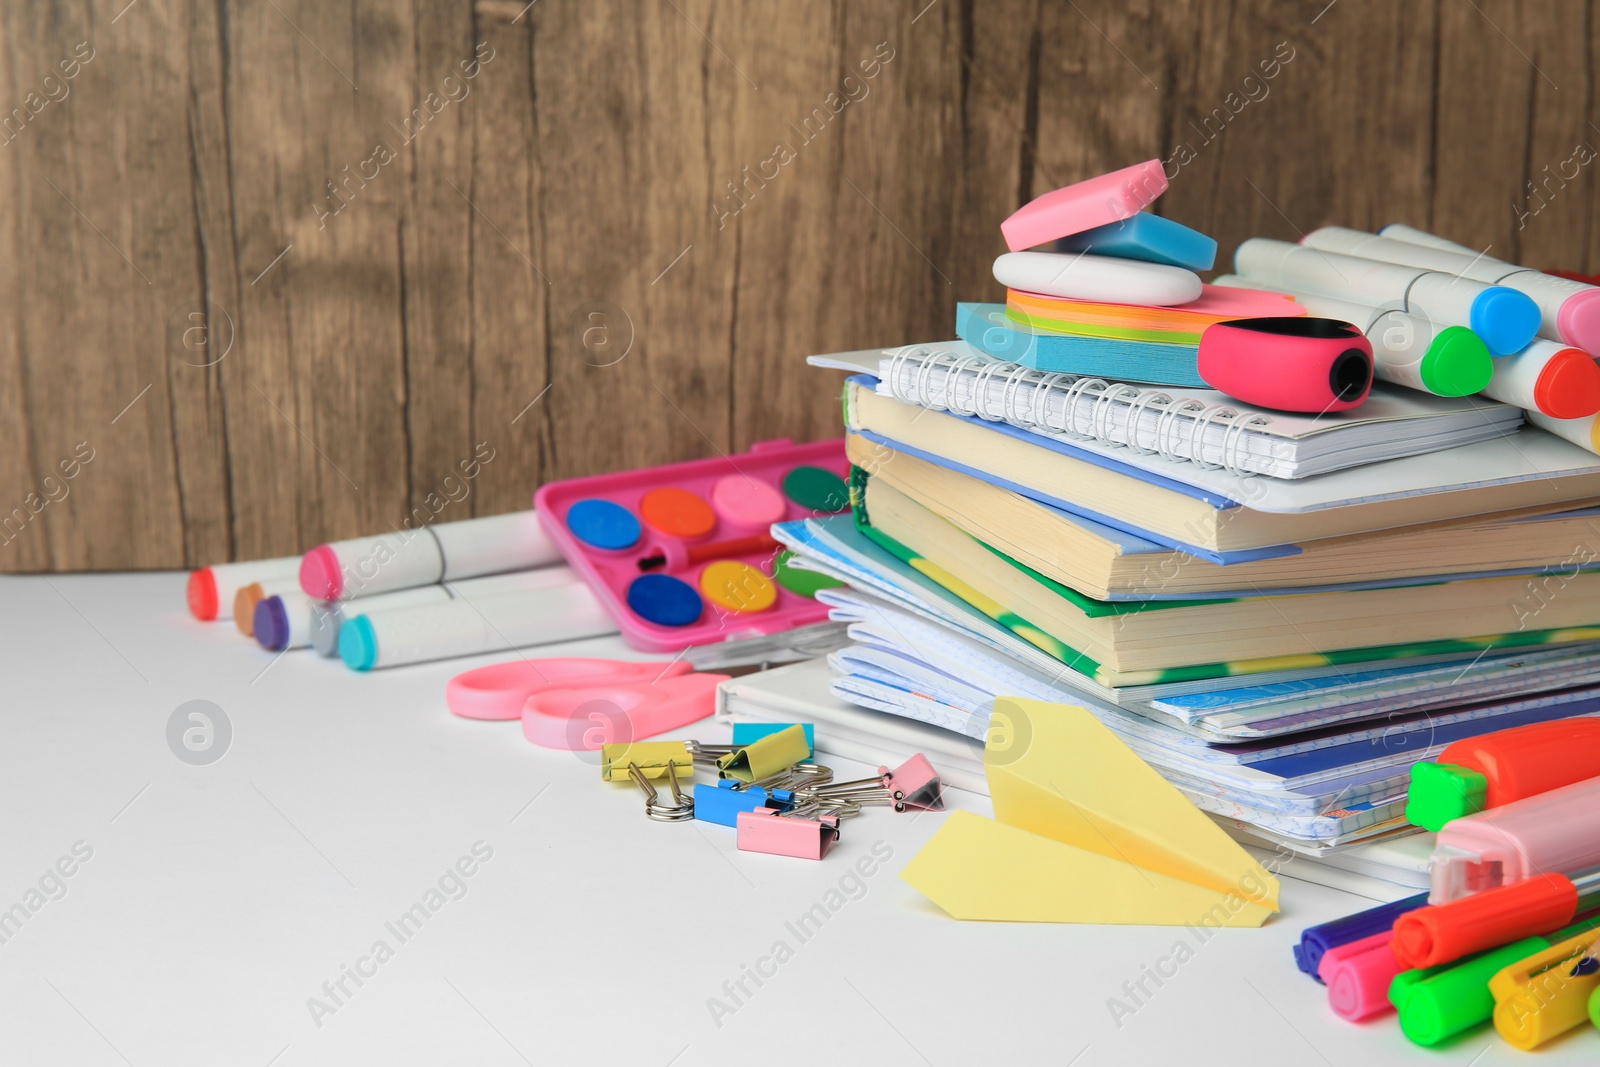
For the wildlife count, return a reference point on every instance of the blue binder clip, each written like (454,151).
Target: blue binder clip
(721,803)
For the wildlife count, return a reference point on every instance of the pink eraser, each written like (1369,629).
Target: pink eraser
(1358,974)
(1093,202)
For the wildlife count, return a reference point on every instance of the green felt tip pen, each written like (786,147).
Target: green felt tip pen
(1438,1002)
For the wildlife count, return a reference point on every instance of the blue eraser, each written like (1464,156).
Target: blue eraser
(745,733)
(1146,237)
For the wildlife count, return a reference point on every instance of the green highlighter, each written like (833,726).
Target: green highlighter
(1443,791)
(1438,1002)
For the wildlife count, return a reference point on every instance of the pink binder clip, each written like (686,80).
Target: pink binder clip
(913,784)
(784,834)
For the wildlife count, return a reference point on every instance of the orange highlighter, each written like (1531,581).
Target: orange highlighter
(1477,773)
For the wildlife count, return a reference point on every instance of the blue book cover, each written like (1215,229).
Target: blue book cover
(985,327)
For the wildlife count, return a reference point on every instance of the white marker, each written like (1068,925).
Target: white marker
(366,566)
(327,617)
(1102,278)
(1550,378)
(1561,301)
(1505,319)
(465,627)
(1407,349)
(1582,432)
(211,590)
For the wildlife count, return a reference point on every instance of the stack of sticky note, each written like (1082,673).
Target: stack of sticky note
(1278,613)
(1116,294)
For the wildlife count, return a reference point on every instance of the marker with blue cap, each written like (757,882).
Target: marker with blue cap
(1505,319)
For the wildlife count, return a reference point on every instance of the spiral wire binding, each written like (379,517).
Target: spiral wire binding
(1091,420)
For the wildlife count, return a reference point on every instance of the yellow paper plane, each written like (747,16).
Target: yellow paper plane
(1085,832)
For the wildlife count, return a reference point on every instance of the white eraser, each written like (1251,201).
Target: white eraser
(1099,278)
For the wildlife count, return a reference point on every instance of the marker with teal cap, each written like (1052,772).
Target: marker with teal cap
(1407,349)
(1505,319)
(468,627)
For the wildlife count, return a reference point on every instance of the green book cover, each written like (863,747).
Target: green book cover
(1077,661)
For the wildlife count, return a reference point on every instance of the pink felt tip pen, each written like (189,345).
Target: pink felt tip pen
(1357,975)
(1553,831)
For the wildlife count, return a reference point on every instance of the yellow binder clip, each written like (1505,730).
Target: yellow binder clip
(651,757)
(767,756)
(1545,995)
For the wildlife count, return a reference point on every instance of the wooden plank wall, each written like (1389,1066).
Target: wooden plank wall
(274,270)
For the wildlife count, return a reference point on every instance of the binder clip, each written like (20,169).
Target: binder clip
(707,755)
(766,756)
(653,758)
(790,833)
(682,807)
(748,733)
(913,784)
(721,803)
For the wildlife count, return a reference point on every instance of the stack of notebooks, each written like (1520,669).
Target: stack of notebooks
(1279,613)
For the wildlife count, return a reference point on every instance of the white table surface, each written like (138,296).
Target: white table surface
(219,899)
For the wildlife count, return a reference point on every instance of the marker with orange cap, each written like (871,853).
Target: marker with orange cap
(1440,933)
(211,590)
(1493,769)
(1547,377)
(246,599)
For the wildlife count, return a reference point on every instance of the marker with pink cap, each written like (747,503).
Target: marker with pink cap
(445,551)
(1358,974)
(1569,311)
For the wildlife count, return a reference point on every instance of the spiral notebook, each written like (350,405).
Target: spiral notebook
(1198,425)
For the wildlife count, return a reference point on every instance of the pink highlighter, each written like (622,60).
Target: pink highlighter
(1553,831)
(1358,974)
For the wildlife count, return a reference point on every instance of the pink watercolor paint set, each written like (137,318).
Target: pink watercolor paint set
(682,555)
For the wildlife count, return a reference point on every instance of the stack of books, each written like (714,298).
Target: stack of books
(1280,613)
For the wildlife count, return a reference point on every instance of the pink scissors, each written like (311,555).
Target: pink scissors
(576,703)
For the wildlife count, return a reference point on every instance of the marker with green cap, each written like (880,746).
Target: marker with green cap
(1407,349)
(1438,1002)
(1487,771)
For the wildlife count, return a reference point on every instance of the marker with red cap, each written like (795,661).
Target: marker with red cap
(1440,933)
(211,590)
(1487,771)
(1547,377)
